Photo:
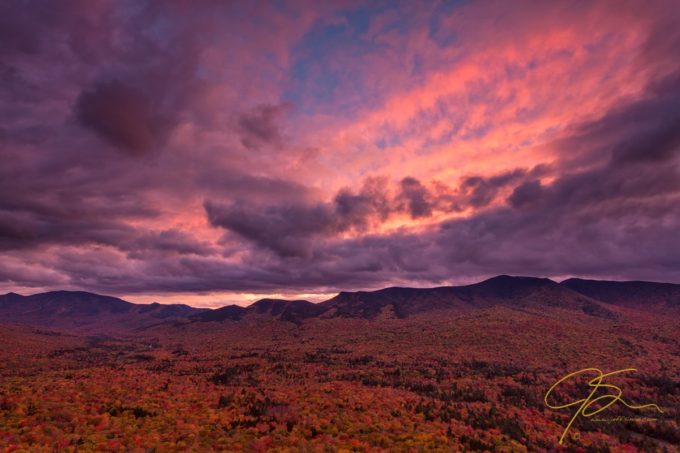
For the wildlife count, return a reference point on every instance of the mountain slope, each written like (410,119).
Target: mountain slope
(286,310)
(631,294)
(514,292)
(529,292)
(87,311)
(402,302)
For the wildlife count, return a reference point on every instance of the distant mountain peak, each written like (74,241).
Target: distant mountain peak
(517,280)
(287,310)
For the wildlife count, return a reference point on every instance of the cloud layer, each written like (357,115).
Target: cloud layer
(230,149)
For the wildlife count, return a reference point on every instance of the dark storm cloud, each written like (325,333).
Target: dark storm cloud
(480,191)
(290,228)
(121,115)
(601,222)
(25,229)
(654,125)
(29,229)
(262,126)
(647,129)
(164,242)
(285,229)
(526,193)
(358,210)
(416,197)
(362,262)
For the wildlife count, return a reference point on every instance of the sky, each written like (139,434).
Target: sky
(219,152)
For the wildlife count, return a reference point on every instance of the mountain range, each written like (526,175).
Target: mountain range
(83,310)
(93,312)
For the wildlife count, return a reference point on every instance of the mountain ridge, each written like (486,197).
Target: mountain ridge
(631,293)
(525,292)
(81,309)
(87,311)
